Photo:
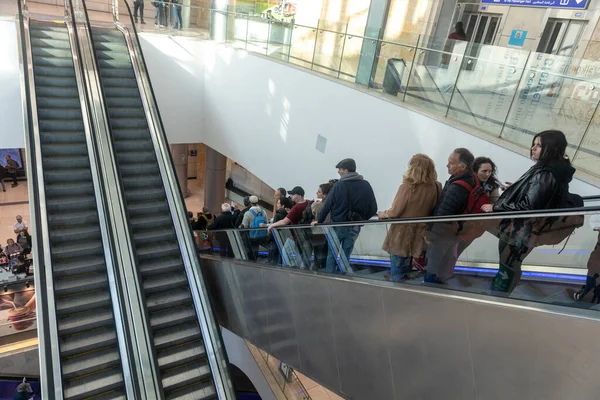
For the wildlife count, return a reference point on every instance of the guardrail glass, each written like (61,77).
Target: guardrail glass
(504,92)
(545,257)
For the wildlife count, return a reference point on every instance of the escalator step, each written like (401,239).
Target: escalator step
(160,266)
(76,232)
(128,123)
(126,112)
(198,391)
(67,162)
(129,93)
(50,125)
(59,102)
(133,195)
(150,221)
(75,218)
(148,207)
(124,82)
(65,177)
(61,112)
(52,43)
(87,341)
(142,181)
(131,145)
(158,251)
(81,302)
(184,375)
(117,73)
(69,251)
(94,385)
(71,285)
(165,338)
(90,362)
(50,71)
(163,283)
(76,323)
(156,235)
(181,354)
(112,55)
(48,52)
(74,267)
(171,299)
(71,203)
(114,64)
(131,134)
(70,188)
(133,169)
(54,62)
(56,92)
(172,317)
(105,44)
(49,33)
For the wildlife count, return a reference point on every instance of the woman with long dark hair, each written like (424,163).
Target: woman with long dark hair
(486,171)
(544,186)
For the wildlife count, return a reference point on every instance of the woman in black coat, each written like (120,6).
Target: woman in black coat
(544,186)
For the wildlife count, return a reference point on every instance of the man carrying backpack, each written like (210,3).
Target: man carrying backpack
(442,237)
(255,217)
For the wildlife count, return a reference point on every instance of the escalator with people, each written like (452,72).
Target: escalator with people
(78,331)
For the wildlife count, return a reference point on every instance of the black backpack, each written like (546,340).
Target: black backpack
(307,215)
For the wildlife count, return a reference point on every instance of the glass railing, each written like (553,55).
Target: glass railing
(504,92)
(540,256)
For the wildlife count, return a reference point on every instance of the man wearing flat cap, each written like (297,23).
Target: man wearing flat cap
(350,199)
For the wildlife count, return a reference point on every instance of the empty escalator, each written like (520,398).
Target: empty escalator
(89,351)
(178,342)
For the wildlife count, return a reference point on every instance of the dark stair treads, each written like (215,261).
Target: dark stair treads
(90,357)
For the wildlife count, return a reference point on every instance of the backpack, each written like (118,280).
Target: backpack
(259,218)
(477,196)
(307,215)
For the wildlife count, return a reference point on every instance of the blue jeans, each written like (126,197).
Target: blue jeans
(346,237)
(177,17)
(401,266)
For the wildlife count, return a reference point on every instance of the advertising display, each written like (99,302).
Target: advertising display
(575,4)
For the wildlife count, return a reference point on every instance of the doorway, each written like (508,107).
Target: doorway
(481,28)
(561,37)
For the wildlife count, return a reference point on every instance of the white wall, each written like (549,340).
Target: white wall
(11,112)
(266,116)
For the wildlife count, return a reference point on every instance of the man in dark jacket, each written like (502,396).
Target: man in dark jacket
(442,236)
(223,221)
(240,217)
(350,199)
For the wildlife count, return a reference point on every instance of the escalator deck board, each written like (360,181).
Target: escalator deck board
(116,77)
(69,193)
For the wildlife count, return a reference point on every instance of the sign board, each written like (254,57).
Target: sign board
(578,4)
(517,38)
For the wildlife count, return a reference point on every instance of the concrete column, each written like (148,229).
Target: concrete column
(220,22)
(378,13)
(185,14)
(214,180)
(180,159)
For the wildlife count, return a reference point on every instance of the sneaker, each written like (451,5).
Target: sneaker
(143,22)
(432,278)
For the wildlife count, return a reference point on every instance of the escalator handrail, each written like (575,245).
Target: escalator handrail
(211,332)
(450,218)
(47,327)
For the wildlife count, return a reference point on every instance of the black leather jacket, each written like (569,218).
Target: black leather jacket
(542,187)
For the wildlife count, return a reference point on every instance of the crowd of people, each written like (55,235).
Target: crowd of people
(162,10)
(473,187)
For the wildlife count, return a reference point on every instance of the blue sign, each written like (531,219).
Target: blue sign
(578,4)
(517,38)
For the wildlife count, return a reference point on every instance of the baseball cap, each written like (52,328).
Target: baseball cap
(253,200)
(347,163)
(297,190)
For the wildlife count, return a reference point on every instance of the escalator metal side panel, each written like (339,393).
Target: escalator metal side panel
(50,382)
(114,259)
(136,329)
(210,330)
